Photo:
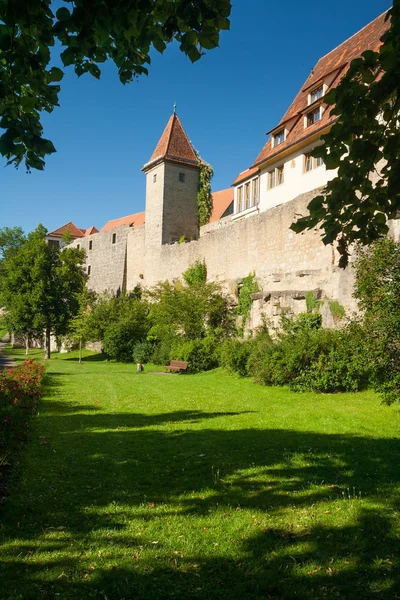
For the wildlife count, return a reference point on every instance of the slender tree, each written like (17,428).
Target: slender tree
(40,286)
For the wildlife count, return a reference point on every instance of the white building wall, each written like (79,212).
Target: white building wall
(296,180)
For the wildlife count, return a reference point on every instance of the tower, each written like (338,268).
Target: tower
(172,181)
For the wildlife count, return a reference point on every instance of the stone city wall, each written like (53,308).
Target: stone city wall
(263,244)
(107,260)
(286,265)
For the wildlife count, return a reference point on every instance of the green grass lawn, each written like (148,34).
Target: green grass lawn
(141,486)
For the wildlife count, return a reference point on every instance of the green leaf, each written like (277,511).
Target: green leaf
(55,74)
(63,14)
(68,57)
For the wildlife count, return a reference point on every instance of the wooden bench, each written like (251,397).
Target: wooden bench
(176,365)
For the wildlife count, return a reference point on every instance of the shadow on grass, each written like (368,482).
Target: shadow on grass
(92,358)
(113,461)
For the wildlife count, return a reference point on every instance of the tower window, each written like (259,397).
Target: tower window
(154,177)
(182,177)
(90,244)
(89,269)
(78,246)
(114,238)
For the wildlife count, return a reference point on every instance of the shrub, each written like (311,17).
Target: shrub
(161,352)
(200,354)
(258,349)
(142,352)
(233,356)
(20,391)
(120,339)
(320,360)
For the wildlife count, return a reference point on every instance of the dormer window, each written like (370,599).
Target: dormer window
(313,117)
(279,137)
(316,94)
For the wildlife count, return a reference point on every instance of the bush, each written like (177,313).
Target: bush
(121,338)
(142,352)
(320,360)
(200,354)
(258,349)
(161,352)
(234,355)
(20,391)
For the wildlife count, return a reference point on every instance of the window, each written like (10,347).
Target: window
(255,192)
(247,194)
(240,199)
(90,244)
(313,116)
(311,163)
(182,177)
(279,175)
(78,246)
(271,179)
(89,269)
(154,177)
(316,94)
(279,137)
(114,238)
(275,177)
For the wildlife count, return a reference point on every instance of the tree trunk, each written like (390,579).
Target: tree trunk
(80,350)
(47,343)
(26,345)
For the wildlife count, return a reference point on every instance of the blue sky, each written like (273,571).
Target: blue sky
(105,132)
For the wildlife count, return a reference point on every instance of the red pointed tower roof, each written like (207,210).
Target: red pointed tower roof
(173,145)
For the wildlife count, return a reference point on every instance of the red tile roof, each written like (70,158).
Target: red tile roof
(75,231)
(221,202)
(173,145)
(334,64)
(135,219)
(246,174)
(91,230)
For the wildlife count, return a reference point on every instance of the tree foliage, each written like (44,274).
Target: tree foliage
(79,327)
(39,287)
(363,142)
(90,32)
(377,289)
(109,309)
(188,310)
(196,273)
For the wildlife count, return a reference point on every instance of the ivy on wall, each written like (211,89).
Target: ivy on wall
(248,287)
(204,197)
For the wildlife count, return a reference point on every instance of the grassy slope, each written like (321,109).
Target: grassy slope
(140,486)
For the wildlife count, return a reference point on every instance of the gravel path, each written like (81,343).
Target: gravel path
(5,361)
